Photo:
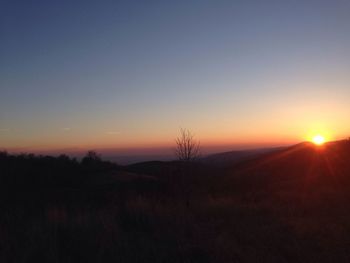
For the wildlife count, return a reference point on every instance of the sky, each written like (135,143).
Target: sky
(129,74)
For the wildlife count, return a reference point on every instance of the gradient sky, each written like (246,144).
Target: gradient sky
(129,74)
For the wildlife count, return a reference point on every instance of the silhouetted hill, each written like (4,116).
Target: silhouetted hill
(286,205)
(232,157)
(301,160)
(154,168)
(300,165)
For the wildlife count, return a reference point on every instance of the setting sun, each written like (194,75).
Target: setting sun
(318,140)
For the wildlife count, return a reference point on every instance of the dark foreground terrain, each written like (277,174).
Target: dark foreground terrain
(292,205)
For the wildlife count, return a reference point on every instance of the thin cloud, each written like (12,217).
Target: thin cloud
(67,129)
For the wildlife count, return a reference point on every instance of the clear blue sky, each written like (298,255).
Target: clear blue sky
(130,73)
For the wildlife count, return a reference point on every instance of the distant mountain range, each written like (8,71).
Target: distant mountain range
(233,157)
(220,158)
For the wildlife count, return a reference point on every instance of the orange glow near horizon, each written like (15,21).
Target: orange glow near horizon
(224,137)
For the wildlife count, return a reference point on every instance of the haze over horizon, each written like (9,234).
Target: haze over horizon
(128,74)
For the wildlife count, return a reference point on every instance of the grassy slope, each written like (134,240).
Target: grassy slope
(288,206)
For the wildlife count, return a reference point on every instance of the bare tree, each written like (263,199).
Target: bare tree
(187,147)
